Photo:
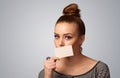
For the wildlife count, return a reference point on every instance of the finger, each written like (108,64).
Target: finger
(47,58)
(54,59)
(49,62)
(50,65)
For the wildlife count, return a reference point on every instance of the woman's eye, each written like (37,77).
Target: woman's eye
(56,36)
(68,37)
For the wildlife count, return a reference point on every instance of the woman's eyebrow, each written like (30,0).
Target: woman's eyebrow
(56,33)
(64,34)
(67,34)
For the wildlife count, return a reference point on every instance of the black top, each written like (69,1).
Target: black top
(100,70)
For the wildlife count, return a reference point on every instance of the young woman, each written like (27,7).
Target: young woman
(70,30)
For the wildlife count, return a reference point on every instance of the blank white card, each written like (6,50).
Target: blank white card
(65,51)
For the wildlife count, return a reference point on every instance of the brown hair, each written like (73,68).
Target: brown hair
(71,15)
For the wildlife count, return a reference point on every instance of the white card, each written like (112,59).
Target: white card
(65,51)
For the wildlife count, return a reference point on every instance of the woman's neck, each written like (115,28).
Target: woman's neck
(70,61)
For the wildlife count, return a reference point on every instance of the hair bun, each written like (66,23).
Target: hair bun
(71,9)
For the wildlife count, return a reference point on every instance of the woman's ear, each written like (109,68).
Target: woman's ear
(82,38)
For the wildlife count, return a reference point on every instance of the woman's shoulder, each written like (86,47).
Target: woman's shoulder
(101,66)
(102,69)
(41,74)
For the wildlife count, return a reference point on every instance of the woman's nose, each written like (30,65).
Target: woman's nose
(61,42)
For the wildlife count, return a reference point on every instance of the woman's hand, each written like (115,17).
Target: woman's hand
(49,66)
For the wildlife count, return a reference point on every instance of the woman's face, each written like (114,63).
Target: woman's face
(67,34)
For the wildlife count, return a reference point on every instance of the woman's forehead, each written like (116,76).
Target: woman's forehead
(65,27)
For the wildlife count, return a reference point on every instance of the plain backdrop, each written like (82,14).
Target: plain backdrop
(26,34)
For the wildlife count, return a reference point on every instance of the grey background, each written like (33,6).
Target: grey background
(26,34)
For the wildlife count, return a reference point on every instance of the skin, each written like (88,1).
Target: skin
(67,34)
